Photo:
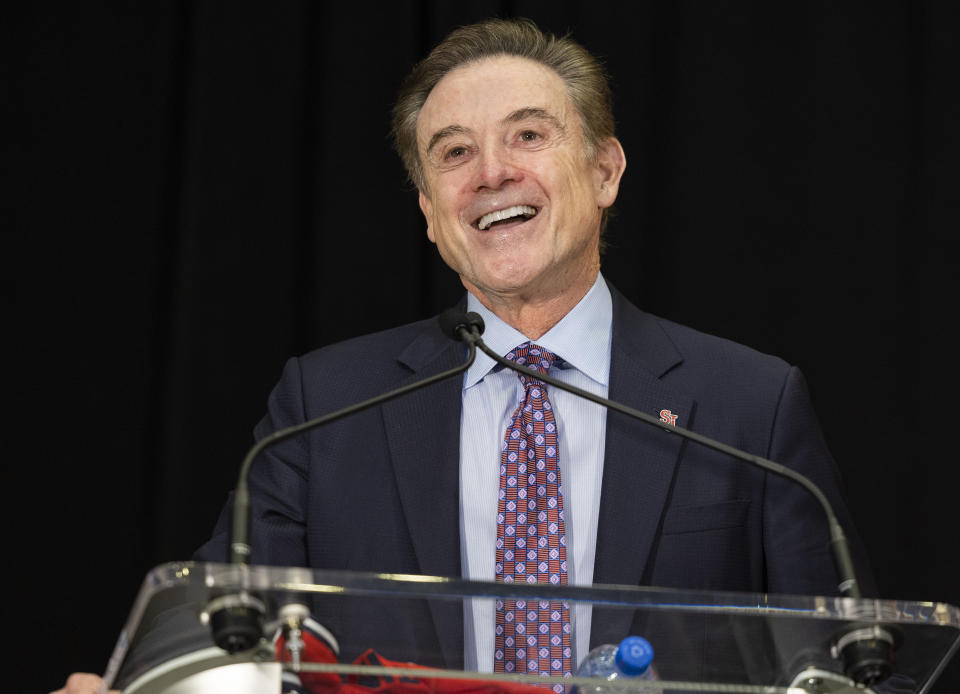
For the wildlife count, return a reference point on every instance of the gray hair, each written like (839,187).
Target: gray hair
(585,78)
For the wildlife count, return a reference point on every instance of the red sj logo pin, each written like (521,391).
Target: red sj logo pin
(668,417)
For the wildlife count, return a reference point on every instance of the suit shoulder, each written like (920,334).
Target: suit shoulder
(348,372)
(374,351)
(712,368)
(688,356)
(739,390)
(714,351)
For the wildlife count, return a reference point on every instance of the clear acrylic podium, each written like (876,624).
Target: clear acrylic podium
(704,641)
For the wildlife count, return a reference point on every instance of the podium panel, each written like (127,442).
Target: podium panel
(347,633)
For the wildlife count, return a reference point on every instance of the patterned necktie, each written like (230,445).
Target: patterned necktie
(531,637)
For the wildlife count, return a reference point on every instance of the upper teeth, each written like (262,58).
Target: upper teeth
(488,219)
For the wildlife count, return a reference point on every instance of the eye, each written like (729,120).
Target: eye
(529,136)
(455,152)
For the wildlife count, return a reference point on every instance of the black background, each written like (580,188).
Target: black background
(197,191)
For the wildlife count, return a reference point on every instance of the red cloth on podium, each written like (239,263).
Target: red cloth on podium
(316,650)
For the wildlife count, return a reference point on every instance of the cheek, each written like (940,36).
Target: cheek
(444,227)
(573,180)
(445,217)
(443,198)
(578,197)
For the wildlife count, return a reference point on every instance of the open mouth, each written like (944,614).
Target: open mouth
(508,215)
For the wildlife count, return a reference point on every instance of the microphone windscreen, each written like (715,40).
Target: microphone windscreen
(475,322)
(452,320)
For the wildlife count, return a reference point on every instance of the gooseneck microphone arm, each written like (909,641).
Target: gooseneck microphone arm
(240,539)
(469,328)
(235,618)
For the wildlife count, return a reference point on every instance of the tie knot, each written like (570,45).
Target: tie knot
(533,356)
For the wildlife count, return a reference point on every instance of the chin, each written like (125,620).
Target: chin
(510,279)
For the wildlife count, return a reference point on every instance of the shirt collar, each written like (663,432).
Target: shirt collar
(582,337)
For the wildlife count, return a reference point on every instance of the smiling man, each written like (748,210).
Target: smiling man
(508,135)
(512,194)
(514,191)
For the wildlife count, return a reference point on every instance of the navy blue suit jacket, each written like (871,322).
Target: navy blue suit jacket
(379,491)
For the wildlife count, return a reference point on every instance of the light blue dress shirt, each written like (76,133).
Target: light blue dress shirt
(491,394)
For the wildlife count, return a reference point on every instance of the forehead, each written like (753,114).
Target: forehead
(485,92)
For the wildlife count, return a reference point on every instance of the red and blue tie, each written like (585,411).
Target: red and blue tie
(531,637)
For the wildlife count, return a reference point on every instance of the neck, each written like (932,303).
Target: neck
(534,313)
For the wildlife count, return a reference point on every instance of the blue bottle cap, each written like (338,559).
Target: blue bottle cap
(634,655)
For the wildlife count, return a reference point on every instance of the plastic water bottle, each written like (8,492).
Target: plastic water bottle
(631,659)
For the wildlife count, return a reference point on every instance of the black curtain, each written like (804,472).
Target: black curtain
(198,190)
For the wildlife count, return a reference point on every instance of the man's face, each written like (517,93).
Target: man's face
(501,138)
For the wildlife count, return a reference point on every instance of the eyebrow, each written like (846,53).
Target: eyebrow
(521,114)
(534,113)
(444,133)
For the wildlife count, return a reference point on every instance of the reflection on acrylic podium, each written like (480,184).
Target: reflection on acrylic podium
(324,632)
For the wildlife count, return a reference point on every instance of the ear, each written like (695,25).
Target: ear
(427,208)
(608,170)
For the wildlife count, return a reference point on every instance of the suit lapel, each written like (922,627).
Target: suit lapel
(423,434)
(639,460)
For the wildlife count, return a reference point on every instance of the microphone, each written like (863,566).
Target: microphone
(452,322)
(468,328)
(235,619)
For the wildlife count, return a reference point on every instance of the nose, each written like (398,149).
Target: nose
(495,169)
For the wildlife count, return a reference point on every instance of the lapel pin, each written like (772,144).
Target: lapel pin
(668,417)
